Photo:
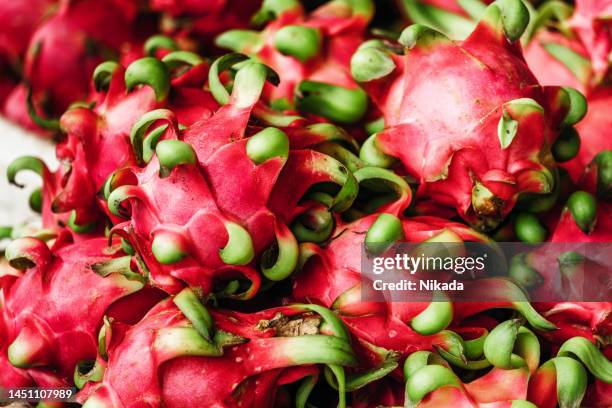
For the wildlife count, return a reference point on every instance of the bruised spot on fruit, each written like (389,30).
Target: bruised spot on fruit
(485,203)
(285,327)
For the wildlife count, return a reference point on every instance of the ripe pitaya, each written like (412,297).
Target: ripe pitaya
(480,134)
(591,21)
(332,276)
(49,329)
(516,377)
(18,20)
(64,51)
(311,53)
(571,272)
(198,171)
(182,355)
(575,53)
(202,20)
(581,223)
(97,140)
(512,350)
(563,379)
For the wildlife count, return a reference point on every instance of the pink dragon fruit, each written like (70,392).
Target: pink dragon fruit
(312,54)
(576,55)
(485,103)
(593,130)
(18,20)
(196,167)
(505,385)
(563,379)
(202,20)
(48,200)
(331,276)
(246,357)
(64,51)
(47,330)
(591,21)
(97,139)
(517,378)
(561,266)
(578,224)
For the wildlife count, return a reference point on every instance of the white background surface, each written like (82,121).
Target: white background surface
(15,142)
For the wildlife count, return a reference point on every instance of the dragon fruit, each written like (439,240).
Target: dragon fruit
(48,331)
(517,378)
(18,20)
(505,385)
(513,125)
(311,52)
(591,21)
(561,265)
(202,20)
(563,379)
(97,140)
(196,166)
(63,53)
(575,54)
(580,224)
(331,276)
(246,357)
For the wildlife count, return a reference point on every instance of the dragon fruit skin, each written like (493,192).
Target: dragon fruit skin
(15,32)
(544,266)
(206,204)
(97,139)
(203,20)
(580,60)
(65,49)
(165,353)
(55,192)
(385,392)
(591,21)
(206,181)
(334,30)
(593,130)
(194,7)
(332,277)
(185,184)
(599,395)
(523,382)
(547,69)
(48,330)
(497,387)
(586,319)
(197,211)
(481,83)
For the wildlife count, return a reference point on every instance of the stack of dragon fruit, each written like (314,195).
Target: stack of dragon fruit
(223,162)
